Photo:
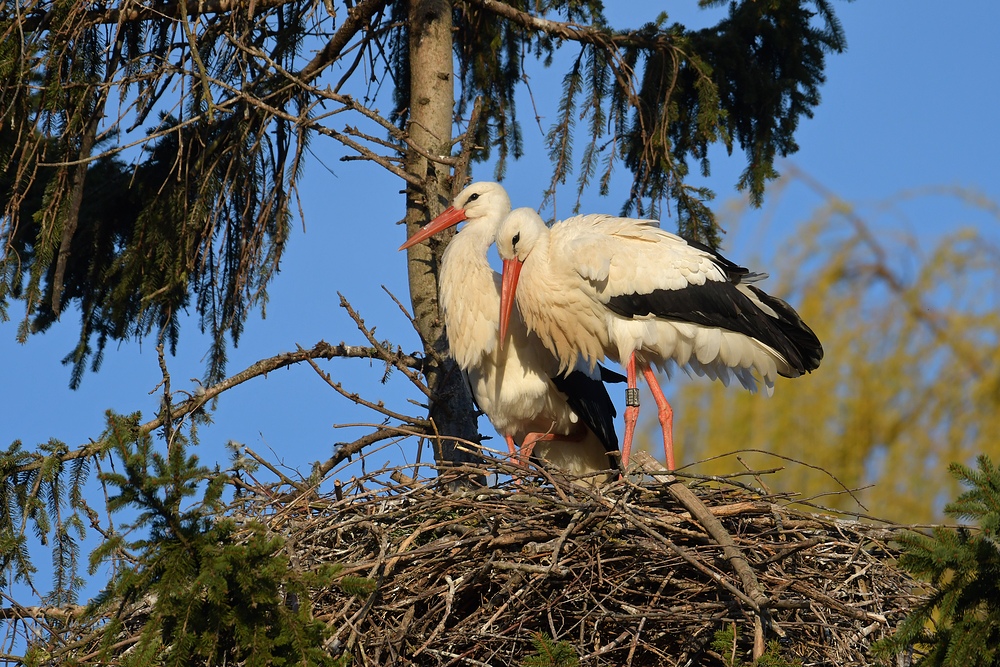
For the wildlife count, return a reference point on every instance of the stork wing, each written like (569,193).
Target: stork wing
(588,397)
(628,256)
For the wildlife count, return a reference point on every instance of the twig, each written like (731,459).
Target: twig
(694,562)
(356,398)
(562,539)
(277,473)
(449,598)
(467,140)
(321,350)
(59,613)
(384,354)
(795,461)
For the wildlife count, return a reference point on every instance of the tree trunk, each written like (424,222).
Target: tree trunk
(432,95)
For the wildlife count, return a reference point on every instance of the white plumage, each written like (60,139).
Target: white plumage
(514,385)
(597,286)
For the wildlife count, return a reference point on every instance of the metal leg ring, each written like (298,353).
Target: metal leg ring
(632,397)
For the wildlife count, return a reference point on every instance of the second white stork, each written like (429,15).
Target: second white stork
(570,416)
(597,286)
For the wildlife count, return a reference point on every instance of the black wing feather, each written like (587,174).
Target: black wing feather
(720,304)
(590,400)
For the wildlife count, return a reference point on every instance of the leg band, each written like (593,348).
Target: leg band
(632,397)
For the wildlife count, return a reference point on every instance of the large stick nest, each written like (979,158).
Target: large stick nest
(628,574)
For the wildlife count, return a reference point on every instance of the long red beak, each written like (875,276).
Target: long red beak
(511,272)
(450,217)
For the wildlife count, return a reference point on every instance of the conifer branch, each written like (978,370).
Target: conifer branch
(355,397)
(357,17)
(381,350)
(368,154)
(61,613)
(576,32)
(178,8)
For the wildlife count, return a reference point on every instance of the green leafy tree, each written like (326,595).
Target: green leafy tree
(225,98)
(959,624)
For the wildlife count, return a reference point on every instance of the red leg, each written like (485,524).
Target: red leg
(665,413)
(631,410)
(528,445)
(511,448)
(532,439)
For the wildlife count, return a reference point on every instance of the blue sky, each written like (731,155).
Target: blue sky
(912,103)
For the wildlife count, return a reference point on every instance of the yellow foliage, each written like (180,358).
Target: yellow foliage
(911,376)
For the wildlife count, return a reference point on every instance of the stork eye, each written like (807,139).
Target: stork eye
(513,241)
(473,197)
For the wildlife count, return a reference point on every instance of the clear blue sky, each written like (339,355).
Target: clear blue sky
(913,102)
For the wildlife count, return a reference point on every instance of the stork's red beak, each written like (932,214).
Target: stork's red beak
(450,217)
(511,272)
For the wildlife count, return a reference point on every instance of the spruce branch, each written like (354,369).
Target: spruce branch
(585,34)
(958,625)
(178,8)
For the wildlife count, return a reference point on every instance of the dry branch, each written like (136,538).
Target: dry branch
(322,350)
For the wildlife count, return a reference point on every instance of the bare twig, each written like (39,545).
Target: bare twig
(321,350)
(389,357)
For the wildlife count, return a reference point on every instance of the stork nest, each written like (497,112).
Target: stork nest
(627,574)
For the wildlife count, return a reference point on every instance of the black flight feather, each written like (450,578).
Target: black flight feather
(589,399)
(721,304)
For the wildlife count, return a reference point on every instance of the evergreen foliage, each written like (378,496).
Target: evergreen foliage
(217,589)
(725,643)
(42,496)
(656,97)
(959,624)
(549,653)
(199,217)
(213,599)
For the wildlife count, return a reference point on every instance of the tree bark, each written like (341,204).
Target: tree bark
(432,96)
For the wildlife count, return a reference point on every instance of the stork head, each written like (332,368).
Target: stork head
(484,200)
(516,238)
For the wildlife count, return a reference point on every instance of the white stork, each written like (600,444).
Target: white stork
(598,285)
(569,416)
